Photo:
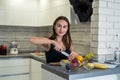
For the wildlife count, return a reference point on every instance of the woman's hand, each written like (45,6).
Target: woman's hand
(72,55)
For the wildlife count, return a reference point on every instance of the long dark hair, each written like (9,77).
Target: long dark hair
(66,38)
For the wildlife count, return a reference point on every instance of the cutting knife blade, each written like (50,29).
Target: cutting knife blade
(65,53)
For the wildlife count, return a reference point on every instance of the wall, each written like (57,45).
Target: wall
(29,16)
(105,27)
(80,36)
(21,35)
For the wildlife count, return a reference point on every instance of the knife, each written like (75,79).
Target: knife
(65,53)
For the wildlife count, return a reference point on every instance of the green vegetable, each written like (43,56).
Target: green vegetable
(89,56)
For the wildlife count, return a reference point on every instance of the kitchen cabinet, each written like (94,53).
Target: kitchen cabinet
(108,77)
(35,69)
(53,76)
(11,68)
(21,13)
(59,73)
(48,16)
(18,77)
(32,12)
(50,76)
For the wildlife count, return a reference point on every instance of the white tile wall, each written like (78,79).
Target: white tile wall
(108,26)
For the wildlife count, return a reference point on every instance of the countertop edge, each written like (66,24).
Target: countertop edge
(82,73)
(55,71)
(60,71)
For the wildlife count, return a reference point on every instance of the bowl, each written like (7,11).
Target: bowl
(89,66)
(70,65)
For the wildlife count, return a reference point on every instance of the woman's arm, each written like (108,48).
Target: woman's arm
(45,42)
(73,53)
(41,40)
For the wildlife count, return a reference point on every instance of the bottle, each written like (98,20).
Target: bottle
(3,49)
(0,48)
(117,55)
(110,53)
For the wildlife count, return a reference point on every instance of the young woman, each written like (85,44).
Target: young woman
(58,42)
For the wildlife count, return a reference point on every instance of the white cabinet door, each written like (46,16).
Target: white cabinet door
(8,62)
(35,70)
(32,12)
(22,12)
(47,17)
(14,68)
(46,75)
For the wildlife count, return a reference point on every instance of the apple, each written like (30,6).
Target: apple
(75,64)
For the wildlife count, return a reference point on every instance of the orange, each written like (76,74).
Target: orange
(80,58)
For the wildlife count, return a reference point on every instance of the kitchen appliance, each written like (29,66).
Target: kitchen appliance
(14,47)
(3,48)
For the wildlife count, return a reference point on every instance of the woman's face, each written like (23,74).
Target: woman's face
(61,27)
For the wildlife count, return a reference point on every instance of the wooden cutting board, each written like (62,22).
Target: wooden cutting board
(55,63)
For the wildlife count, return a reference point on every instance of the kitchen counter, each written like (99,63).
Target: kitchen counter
(15,56)
(81,73)
(25,55)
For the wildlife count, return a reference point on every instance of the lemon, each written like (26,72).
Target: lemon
(80,58)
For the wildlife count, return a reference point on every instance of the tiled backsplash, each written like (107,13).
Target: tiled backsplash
(80,36)
(21,35)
